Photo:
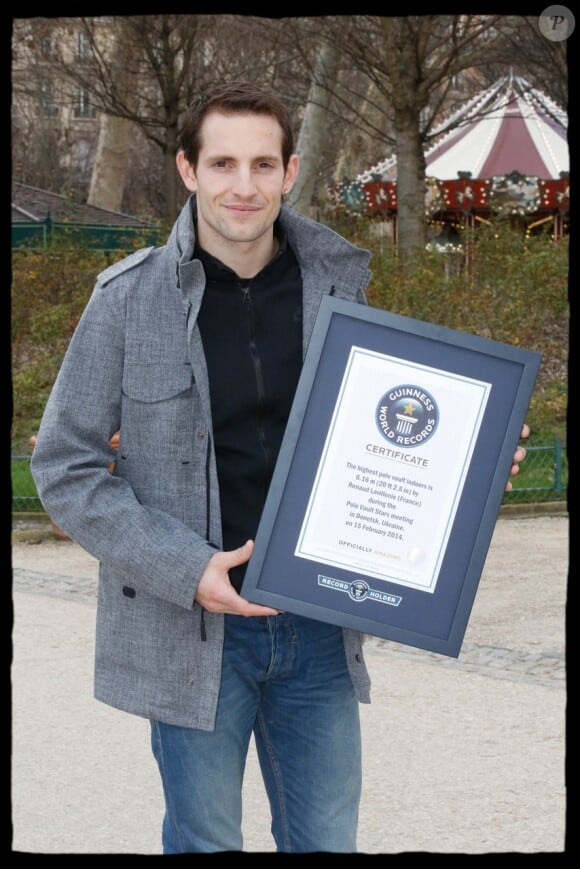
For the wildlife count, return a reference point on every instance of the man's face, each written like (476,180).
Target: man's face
(239,179)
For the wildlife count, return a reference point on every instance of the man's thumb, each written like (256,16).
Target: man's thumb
(242,554)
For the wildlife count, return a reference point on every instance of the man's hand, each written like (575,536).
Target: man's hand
(216,594)
(519,456)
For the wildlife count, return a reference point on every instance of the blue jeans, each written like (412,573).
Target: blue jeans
(284,679)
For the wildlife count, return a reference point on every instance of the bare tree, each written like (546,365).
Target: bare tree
(545,61)
(363,146)
(412,63)
(36,131)
(314,128)
(111,162)
(144,70)
(309,80)
(115,133)
(374,85)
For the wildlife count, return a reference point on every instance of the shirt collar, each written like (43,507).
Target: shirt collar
(215,268)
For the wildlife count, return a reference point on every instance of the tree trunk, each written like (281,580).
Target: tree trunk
(411,233)
(171,176)
(111,162)
(353,155)
(115,131)
(314,130)
(402,40)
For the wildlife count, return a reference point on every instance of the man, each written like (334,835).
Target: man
(193,350)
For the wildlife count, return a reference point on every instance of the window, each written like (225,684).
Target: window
(83,46)
(47,47)
(455,84)
(47,103)
(83,107)
(81,158)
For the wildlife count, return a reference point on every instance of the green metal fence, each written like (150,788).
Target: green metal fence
(543,477)
(91,236)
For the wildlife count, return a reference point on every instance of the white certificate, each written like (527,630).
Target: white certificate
(392,469)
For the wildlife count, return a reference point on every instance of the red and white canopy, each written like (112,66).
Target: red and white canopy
(509,127)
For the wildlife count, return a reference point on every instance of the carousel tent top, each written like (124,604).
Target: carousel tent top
(504,152)
(509,127)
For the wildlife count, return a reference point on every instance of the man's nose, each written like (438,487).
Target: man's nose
(244,183)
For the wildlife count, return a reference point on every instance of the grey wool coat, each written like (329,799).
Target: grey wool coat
(136,363)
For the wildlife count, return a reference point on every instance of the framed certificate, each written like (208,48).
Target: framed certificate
(390,476)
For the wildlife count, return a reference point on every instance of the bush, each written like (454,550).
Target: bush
(50,289)
(502,285)
(508,286)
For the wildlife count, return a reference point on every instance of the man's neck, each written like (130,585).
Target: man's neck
(246,259)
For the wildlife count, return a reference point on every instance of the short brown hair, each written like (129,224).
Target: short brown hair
(234,98)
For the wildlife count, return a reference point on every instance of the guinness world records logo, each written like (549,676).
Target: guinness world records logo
(407,415)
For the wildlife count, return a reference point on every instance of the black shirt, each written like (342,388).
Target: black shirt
(252,336)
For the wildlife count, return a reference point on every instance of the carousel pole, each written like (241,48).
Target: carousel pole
(469,224)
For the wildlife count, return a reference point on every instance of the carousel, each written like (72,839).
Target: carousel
(505,153)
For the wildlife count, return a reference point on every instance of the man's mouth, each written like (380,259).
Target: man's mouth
(238,206)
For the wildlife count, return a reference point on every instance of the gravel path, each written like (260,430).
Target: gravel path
(462,755)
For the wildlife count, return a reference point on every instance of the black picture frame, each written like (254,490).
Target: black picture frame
(490,383)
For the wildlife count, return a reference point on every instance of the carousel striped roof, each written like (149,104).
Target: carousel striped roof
(509,127)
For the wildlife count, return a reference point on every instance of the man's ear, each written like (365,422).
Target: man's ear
(186,171)
(291,172)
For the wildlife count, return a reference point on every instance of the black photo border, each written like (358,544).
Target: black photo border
(276,577)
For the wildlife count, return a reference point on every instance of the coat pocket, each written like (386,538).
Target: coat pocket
(153,383)
(160,412)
